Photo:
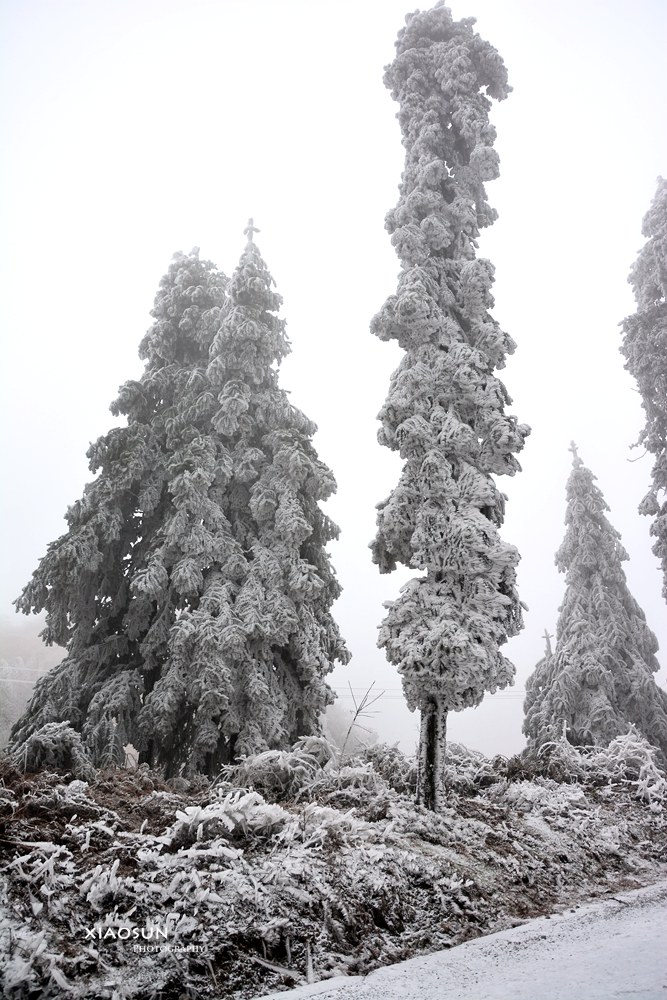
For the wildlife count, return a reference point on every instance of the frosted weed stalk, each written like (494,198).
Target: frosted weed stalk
(361,711)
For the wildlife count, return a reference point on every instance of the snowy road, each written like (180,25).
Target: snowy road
(611,950)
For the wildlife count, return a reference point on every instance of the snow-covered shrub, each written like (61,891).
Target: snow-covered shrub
(276,774)
(354,785)
(629,759)
(544,797)
(632,759)
(242,813)
(468,770)
(396,769)
(562,761)
(279,775)
(558,760)
(8,775)
(7,808)
(318,747)
(311,773)
(55,747)
(316,825)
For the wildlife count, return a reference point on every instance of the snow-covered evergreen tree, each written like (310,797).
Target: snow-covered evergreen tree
(248,658)
(645,348)
(445,412)
(90,580)
(598,682)
(192,589)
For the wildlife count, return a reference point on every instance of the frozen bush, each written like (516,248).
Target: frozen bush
(467,770)
(280,775)
(632,759)
(396,769)
(54,747)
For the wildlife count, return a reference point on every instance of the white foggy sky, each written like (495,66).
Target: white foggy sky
(134,129)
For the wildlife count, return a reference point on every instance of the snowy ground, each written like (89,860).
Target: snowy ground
(608,950)
(294,865)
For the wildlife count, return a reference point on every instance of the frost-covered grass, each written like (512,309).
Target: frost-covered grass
(293,866)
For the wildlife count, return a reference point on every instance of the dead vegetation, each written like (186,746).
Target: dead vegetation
(295,864)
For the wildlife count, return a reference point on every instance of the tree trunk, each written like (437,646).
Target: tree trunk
(432,746)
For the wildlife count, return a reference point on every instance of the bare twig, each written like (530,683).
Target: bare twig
(361,710)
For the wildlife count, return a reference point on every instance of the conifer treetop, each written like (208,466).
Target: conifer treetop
(443,77)
(250,230)
(591,543)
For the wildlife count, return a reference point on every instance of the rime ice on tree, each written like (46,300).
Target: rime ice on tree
(193,588)
(645,349)
(599,680)
(445,412)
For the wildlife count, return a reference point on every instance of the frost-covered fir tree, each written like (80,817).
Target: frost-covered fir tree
(193,589)
(248,658)
(445,412)
(645,348)
(90,580)
(598,682)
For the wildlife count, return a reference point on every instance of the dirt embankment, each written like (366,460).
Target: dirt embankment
(127,886)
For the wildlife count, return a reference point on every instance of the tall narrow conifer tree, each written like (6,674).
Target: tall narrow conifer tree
(645,349)
(598,681)
(193,589)
(445,412)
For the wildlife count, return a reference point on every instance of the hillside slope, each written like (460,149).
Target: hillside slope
(294,867)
